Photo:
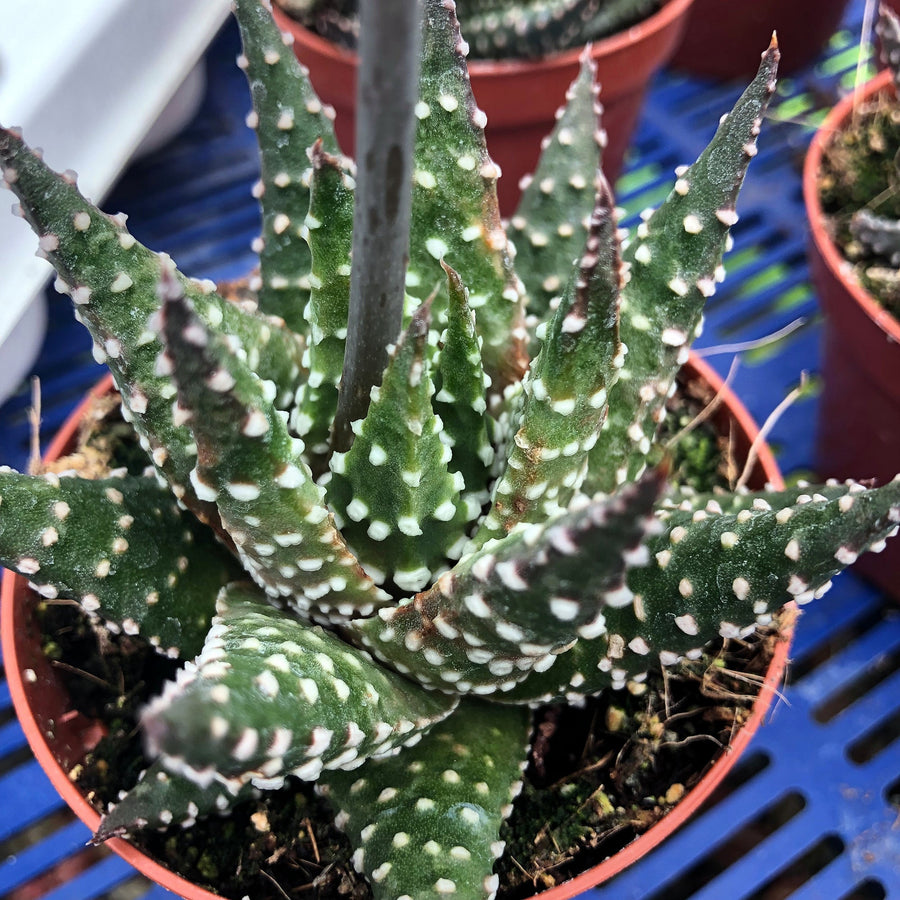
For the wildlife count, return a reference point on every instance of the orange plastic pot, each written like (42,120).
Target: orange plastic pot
(60,737)
(859,410)
(520,97)
(724,38)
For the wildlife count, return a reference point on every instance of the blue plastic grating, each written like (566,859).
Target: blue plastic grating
(813,810)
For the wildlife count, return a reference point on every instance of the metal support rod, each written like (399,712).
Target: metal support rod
(387,91)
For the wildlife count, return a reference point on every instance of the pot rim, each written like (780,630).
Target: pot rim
(483,68)
(838,266)
(637,849)
(33,733)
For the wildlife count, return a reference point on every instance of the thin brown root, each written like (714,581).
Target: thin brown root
(601,763)
(707,410)
(766,428)
(666,704)
(278,887)
(312,840)
(758,680)
(692,739)
(520,867)
(35,464)
(59,664)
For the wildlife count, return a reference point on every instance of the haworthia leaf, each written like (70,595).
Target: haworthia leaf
(329,231)
(250,466)
(888,30)
(288,118)
(527,30)
(675,262)
(398,501)
(460,398)
(513,608)
(718,574)
(566,388)
(113,283)
(455,214)
(161,799)
(335,20)
(878,235)
(427,823)
(497,29)
(121,547)
(550,224)
(270,696)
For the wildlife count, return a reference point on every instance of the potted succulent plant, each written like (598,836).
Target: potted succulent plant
(375,603)
(849,182)
(73,740)
(524,55)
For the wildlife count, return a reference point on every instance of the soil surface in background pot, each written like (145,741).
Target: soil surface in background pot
(859,169)
(599,775)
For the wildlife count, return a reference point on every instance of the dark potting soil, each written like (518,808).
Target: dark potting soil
(598,777)
(861,170)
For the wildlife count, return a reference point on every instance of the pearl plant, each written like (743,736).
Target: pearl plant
(500,534)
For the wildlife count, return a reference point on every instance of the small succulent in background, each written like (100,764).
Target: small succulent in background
(860,181)
(495,29)
(499,534)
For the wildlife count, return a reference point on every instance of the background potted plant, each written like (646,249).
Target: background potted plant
(517,82)
(849,187)
(534,553)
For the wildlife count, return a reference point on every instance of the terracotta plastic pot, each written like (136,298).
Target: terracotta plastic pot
(520,97)
(859,411)
(724,38)
(60,737)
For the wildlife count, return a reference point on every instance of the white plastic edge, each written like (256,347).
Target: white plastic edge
(86,81)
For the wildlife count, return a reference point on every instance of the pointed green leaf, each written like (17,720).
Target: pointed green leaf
(722,574)
(121,547)
(675,261)
(270,696)
(161,799)
(549,227)
(250,466)
(427,822)
(566,388)
(288,118)
(113,282)
(513,608)
(329,232)
(460,399)
(398,502)
(455,214)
